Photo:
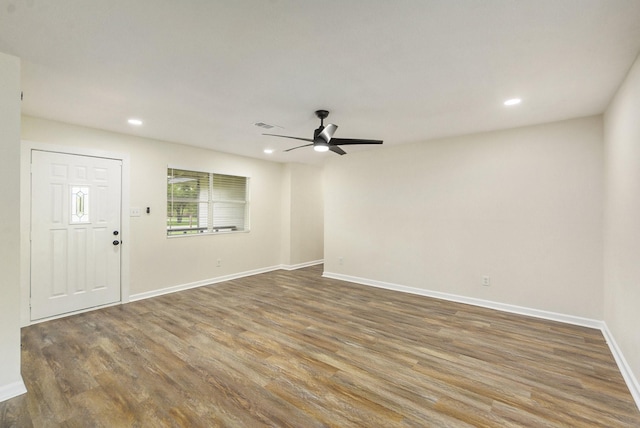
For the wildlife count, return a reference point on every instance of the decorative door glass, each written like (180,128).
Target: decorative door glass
(79,204)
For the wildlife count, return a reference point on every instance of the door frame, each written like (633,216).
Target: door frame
(25,221)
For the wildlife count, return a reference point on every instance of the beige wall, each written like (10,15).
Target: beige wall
(522,206)
(302,215)
(285,215)
(10,379)
(157,262)
(305,213)
(622,220)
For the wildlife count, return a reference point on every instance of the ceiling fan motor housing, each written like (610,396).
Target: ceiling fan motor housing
(317,138)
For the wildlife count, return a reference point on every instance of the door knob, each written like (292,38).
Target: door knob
(116,242)
(115,233)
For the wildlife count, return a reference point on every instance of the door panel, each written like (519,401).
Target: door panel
(75,203)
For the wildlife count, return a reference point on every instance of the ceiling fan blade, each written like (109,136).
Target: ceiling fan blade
(328,131)
(346,141)
(299,147)
(294,138)
(336,149)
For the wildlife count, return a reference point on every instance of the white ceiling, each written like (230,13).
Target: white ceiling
(202,72)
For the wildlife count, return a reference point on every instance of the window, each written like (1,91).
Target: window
(201,202)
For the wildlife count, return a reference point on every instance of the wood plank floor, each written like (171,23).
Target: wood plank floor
(294,349)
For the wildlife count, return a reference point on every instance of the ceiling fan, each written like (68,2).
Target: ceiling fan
(323,140)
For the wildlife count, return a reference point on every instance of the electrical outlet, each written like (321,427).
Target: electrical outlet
(486,281)
(340,261)
(135,212)
(219,263)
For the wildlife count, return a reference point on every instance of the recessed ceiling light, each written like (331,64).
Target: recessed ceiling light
(513,102)
(135,122)
(268,151)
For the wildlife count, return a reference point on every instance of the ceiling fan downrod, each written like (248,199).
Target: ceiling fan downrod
(322,115)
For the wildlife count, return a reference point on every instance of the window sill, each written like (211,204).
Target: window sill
(221,232)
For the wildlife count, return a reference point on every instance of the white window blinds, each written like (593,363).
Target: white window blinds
(229,201)
(200,202)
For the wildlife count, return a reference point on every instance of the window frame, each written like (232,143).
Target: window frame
(215,184)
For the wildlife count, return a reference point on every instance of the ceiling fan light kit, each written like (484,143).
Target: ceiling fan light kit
(323,140)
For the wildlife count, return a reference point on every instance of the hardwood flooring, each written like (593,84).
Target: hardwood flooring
(293,349)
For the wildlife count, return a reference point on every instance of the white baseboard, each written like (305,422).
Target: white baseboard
(625,370)
(210,281)
(520,310)
(181,287)
(12,390)
(302,265)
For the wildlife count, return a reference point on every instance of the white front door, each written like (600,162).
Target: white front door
(75,232)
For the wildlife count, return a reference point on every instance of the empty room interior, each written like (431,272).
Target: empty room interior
(294,213)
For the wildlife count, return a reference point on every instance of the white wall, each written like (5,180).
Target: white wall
(523,206)
(622,220)
(158,262)
(10,379)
